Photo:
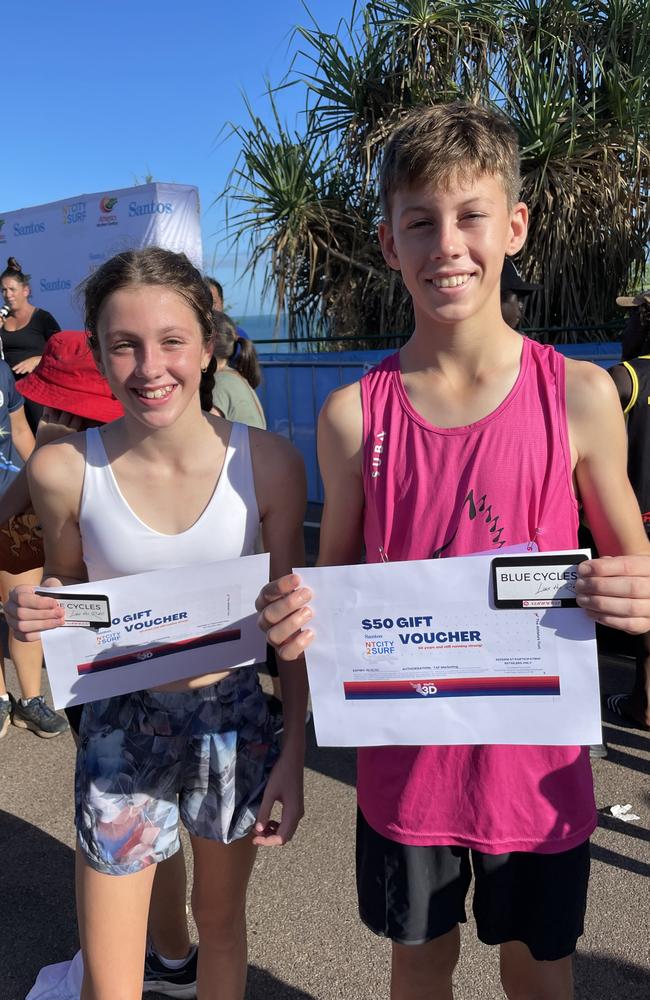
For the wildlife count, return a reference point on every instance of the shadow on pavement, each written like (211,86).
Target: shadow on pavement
(632,739)
(618,860)
(263,986)
(38,925)
(339,763)
(600,977)
(628,760)
(620,826)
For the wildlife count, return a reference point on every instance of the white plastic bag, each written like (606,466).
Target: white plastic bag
(59,982)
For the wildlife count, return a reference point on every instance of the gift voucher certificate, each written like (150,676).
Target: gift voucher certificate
(141,631)
(471,650)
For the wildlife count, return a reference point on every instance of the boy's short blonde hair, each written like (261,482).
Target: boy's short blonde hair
(444,143)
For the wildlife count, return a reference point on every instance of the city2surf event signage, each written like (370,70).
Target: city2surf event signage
(61,243)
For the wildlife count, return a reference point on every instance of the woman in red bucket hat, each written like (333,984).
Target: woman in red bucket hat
(67,379)
(68,384)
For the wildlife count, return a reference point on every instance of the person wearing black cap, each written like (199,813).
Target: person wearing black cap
(632,379)
(514,290)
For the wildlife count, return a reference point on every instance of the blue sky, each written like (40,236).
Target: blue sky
(98,95)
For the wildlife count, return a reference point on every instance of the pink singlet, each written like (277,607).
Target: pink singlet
(432,492)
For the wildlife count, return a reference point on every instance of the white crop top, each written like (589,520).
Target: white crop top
(115,542)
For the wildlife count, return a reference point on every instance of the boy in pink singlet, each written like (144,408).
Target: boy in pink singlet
(471,438)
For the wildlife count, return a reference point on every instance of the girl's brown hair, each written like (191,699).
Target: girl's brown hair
(149,266)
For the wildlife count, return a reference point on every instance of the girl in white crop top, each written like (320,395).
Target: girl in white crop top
(168,485)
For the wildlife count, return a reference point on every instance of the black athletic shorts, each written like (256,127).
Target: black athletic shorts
(415,894)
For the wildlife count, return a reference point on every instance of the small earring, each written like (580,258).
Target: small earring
(204,370)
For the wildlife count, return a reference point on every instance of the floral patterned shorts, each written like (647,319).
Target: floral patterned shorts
(148,758)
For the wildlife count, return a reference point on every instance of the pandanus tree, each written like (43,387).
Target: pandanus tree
(573,77)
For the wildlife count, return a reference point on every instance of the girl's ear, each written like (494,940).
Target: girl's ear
(206,355)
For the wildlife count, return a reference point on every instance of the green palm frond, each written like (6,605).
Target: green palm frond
(573,76)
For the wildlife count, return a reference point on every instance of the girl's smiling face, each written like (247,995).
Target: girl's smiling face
(152,351)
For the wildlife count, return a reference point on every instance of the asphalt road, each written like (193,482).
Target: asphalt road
(306,942)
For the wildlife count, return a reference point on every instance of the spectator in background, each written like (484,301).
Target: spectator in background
(236,374)
(632,379)
(29,711)
(216,290)
(25,330)
(514,292)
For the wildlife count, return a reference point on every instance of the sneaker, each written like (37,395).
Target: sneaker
(5,717)
(180,983)
(38,716)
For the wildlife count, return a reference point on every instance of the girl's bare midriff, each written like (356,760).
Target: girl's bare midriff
(191,683)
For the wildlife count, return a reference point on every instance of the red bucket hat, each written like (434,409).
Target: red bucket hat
(67,378)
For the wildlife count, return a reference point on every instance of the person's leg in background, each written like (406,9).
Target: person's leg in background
(168,931)
(30,711)
(5,703)
(634,708)
(171,961)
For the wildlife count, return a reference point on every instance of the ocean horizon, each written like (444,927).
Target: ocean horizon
(268,334)
(263,326)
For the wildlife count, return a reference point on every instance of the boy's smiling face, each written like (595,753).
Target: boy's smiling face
(449,245)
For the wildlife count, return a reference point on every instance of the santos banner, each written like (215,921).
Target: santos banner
(60,244)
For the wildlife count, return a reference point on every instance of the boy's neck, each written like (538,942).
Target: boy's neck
(471,345)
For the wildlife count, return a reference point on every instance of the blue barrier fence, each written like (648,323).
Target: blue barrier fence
(295,386)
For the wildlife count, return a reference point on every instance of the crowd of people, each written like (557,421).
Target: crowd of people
(167,462)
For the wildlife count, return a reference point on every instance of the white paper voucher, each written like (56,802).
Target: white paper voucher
(165,625)
(417,653)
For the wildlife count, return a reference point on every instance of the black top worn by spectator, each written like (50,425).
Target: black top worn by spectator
(25,343)
(31,339)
